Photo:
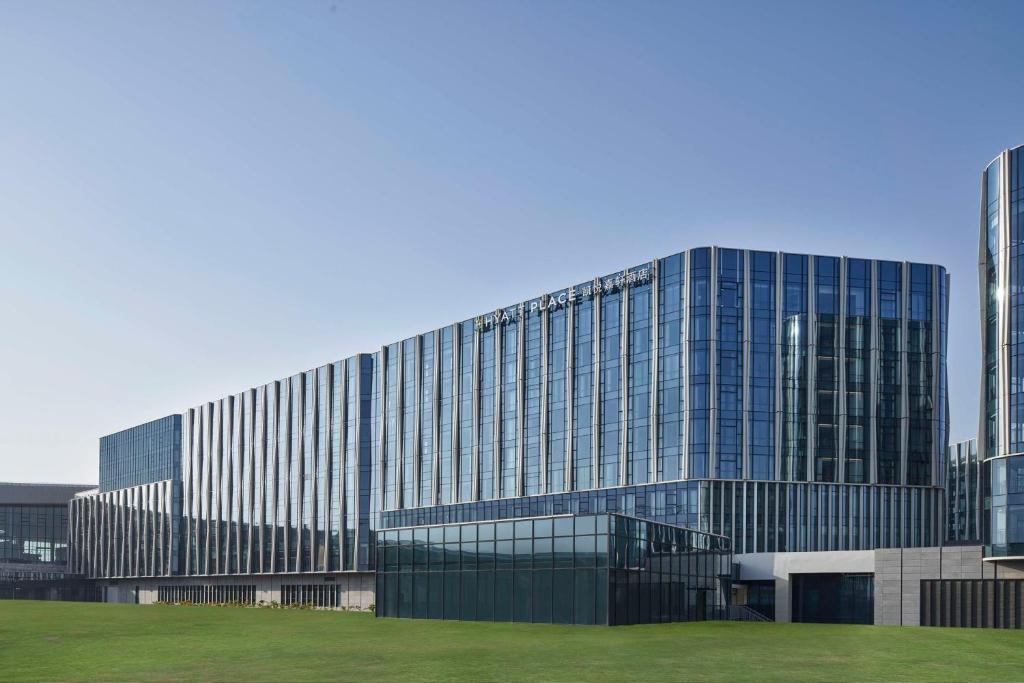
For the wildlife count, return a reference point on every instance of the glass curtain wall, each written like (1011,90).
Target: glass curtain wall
(1002,443)
(143,454)
(711,365)
(590,569)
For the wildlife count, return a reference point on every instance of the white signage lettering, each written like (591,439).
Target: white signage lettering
(551,302)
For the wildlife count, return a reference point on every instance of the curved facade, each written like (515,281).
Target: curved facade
(785,401)
(1001,283)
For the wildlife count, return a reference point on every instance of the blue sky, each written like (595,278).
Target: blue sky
(198,198)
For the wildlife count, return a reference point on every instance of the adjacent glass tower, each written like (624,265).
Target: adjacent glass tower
(1001,284)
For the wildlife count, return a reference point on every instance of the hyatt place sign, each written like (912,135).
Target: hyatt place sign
(552,302)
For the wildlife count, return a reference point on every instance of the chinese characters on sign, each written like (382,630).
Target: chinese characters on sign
(612,283)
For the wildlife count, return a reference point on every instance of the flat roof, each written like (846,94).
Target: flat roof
(13,493)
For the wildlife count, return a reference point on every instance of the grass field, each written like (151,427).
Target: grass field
(78,641)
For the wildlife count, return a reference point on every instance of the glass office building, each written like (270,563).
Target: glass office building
(585,569)
(1001,283)
(33,532)
(963,492)
(143,454)
(787,402)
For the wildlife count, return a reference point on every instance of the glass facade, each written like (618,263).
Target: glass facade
(128,532)
(34,532)
(759,516)
(588,569)
(1004,497)
(786,401)
(33,539)
(1001,281)
(143,454)
(690,367)
(833,598)
(963,492)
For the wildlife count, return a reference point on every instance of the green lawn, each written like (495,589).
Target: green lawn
(78,641)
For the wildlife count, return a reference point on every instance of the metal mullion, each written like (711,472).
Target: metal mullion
(713,367)
(300,441)
(863,493)
(595,432)
(84,553)
(1003,316)
(382,429)
(135,542)
(232,558)
(342,456)
(755,526)
(238,488)
(322,518)
(188,487)
(154,530)
(145,566)
(655,346)
(98,536)
(207,485)
(475,450)
(624,385)
(570,395)
(435,470)
(496,447)
(272,457)
(251,479)
(417,437)
(217,486)
(841,372)
(711,505)
(186,478)
(286,489)
(904,370)
(121,532)
(745,356)
(812,371)
(521,401)
(740,529)
(110,510)
(729,489)
(937,453)
(685,375)
(778,274)
(314,457)
(400,428)
(230,552)
(874,356)
(780,490)
(105,533)
(456,411)
(545,369)
(138,551)
(167,538)
(144,561)
(357,407)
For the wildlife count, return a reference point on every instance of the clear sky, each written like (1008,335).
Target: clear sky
(196,198)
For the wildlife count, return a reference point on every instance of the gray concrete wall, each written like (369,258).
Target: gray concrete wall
(899,572)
